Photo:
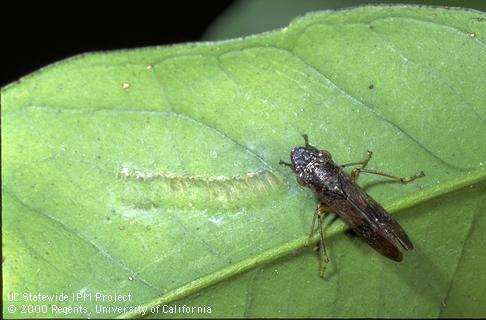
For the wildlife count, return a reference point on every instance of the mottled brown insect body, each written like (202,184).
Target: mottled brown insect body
(339,193)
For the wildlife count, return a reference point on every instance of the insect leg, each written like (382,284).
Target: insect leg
(312,230)
(320,211)
(356,172)
(363,162)
(322,249)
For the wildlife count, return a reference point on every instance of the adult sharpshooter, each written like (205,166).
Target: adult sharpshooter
(339,193)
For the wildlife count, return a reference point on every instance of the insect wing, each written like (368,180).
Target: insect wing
(380,221)
(379,241)
(361,225)
(368,219)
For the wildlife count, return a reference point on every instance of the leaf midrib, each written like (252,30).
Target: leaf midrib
(291,246)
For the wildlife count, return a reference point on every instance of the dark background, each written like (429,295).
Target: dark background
(34,36)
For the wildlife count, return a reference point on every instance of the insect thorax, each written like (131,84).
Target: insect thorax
(320,176)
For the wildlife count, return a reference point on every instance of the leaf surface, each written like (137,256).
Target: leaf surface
(155,171)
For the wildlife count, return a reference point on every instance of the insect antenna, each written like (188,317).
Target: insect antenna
(306,139)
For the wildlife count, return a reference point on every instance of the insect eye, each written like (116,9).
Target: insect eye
(300,181)
(325,154)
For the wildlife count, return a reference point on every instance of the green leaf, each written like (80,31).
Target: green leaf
(272,14)
(154,172)
(439,278)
